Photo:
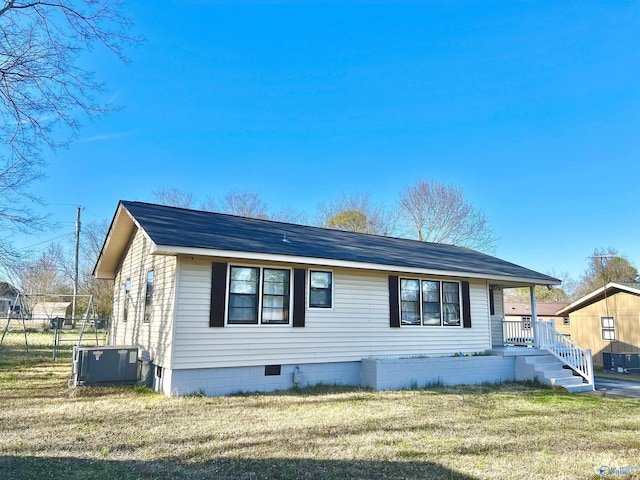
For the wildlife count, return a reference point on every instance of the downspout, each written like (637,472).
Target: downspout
(534,317)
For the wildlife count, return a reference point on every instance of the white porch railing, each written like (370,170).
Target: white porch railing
(517,332)
(571,354)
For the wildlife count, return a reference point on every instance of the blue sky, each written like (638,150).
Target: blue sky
(531,108)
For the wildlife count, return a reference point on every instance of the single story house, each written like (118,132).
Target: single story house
(8,295)
(607,320)
(518,325)
(220,304)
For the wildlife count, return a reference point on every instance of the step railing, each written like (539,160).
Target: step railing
(569,353)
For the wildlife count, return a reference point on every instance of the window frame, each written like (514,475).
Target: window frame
(527,323)
(610,329)
(331,290)
(148,297)
(421,303)
(287,306)
(260,294)
(126,300)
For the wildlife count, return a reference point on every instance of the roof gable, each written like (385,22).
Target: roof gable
(174,229)
(609,289)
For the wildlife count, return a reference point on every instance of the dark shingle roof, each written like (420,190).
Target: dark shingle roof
(176,227)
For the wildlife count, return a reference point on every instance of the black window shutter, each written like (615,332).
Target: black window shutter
(394,302)
(299,296)
(466,305)
(218,294)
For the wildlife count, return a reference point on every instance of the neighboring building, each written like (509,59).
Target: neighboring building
(607,320)
(42,313)
(8,295)
(220,303)
(518,320)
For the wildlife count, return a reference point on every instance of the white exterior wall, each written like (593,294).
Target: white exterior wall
(497,337)
(357,327)
(154,336)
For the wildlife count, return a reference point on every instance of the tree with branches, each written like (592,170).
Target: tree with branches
(606,265)
(44,90)
(440,213)
(354,213)
(173,197)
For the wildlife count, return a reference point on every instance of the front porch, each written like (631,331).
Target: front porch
(542,351)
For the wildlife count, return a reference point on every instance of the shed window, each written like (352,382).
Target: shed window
(430,302)
(526,323)
(607,326)
(320,289)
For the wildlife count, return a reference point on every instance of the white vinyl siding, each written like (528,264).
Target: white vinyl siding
(155,334)
(356,327)
(497,319)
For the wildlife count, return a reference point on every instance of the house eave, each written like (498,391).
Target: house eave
(595,296)
(118,236)
(504,280)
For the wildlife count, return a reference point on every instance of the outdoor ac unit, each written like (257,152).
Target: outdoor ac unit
(105,365)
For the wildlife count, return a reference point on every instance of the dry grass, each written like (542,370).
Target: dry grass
(48,430)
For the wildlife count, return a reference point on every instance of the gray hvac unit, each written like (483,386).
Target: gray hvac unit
(105,365)
(621,362)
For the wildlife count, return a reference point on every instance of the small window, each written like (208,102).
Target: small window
(127,296)
(526,323)
(320,289)
(607,326)
(148,297)
(566,321)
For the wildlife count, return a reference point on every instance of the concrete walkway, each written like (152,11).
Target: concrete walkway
(613,387)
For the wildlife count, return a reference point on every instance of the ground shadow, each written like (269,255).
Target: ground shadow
(23,468)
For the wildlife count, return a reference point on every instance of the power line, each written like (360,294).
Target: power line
(48,241)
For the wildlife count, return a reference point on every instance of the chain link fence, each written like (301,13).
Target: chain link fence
(53,338)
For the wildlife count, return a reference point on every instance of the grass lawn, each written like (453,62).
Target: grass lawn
(48,430)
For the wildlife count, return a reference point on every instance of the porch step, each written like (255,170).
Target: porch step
(549,370)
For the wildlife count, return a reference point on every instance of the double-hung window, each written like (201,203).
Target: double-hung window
(320,289)
(275,295)
(259,295)
(429,302)
(607,326)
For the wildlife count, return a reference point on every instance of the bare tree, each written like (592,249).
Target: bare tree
(173,197)
(43,89)
(440,213)
(91,243)
(244,203)
(290,215)
(44,275)
(355,213)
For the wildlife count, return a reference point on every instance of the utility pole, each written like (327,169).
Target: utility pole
(75,267)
